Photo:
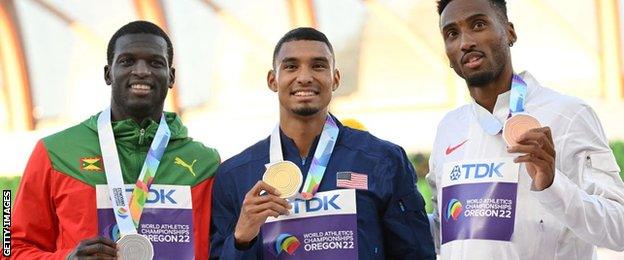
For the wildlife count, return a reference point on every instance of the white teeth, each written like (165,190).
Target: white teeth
(140,86)
(304,93)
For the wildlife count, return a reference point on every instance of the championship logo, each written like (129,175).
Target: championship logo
(453,209)
(122,212)
(286,243)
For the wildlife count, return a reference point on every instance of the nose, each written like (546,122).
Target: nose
(141,69)
(305,76)
(468,42)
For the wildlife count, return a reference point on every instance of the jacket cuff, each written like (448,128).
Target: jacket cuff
(554,196)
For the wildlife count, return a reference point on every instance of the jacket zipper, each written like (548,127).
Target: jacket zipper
(141,135)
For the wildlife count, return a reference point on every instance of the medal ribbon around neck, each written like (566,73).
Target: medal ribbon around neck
(322,154)
(114,176)
(517,97)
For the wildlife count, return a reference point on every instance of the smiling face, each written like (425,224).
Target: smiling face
(477,40)
(140,76)
(304,77)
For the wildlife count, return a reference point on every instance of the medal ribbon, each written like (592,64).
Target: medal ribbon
(517,97)
(114,176)
(322,154)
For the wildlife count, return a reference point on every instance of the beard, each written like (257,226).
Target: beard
(139,108)
(482,78)
(500,56)
(306,111)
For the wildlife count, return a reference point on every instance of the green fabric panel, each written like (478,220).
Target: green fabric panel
(75,152)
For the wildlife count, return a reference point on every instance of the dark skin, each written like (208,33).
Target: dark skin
(94,248)
(304,78)
(477,39)
(140,77)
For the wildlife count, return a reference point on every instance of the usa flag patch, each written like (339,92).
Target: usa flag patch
(352,180)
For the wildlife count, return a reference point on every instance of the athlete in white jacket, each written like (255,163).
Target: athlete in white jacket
(557,194)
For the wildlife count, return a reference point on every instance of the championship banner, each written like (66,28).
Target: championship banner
(479,199)
(167,219)
(324,227)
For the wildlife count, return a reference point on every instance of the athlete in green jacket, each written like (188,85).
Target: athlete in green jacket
(63,209)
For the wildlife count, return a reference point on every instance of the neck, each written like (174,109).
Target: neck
(118,114)
(487,94)
(302,129)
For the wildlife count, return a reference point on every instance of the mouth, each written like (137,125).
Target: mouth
(140,89)
(304,93)
(472,60)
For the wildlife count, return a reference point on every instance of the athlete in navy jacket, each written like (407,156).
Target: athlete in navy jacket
(391,220)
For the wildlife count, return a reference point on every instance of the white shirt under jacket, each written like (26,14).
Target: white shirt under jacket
(582,209)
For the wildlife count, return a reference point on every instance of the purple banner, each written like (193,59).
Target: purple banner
(478,211)
(170,230)
(320,237)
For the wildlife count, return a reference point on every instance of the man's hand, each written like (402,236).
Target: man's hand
(255,210)
(94,248)
(539,149)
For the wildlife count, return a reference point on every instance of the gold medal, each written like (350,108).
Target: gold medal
(516,126)
(284,176)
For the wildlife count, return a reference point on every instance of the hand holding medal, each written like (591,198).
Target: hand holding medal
(255,210)
(523,134)
(539,156)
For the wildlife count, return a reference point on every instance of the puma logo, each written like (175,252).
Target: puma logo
(182,163)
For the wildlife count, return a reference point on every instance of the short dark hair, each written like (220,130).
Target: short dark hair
(138,27)
(302,34)
(499,5)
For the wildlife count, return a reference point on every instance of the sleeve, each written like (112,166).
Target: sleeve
(587,194)
(202,199)
(434,218)
(225,212)
(34,235)
(405,223)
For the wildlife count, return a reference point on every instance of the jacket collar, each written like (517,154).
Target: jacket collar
(130,132)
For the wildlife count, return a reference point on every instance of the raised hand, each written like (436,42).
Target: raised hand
(255,210)
(539,156)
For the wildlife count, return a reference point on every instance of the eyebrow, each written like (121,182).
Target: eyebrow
(289,59)
(153,56)
(471,17)
(293,59)
(322,59)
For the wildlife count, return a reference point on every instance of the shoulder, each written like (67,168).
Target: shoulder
(80,133)
(193,147)
(365,142)
(457,115)
(547,101)
(258,152)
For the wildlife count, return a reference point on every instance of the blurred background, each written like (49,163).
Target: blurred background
(396,80)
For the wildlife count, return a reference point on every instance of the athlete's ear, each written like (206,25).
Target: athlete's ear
(336,80)
(107,77)
(272,80)
(171,77)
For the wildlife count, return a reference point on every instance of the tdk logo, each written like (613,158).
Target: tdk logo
(315,204)
(162,196)
(476,171)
